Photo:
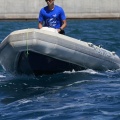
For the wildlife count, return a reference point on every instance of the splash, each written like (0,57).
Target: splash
(90,71)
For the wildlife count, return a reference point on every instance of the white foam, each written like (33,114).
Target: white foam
(90,71)
(2,76)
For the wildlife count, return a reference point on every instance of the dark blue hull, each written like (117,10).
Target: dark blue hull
(38,64)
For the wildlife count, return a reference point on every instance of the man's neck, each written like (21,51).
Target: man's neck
(51,7)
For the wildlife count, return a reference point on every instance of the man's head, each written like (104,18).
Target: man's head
(50,2)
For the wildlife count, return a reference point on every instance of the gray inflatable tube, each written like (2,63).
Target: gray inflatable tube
(51,45)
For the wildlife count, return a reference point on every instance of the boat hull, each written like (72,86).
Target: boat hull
(49,52)
(35,63)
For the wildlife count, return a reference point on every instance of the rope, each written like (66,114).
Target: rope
(27,53)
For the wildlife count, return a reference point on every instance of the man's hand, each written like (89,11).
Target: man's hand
(58,30)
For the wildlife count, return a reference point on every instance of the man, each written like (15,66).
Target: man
(52,16)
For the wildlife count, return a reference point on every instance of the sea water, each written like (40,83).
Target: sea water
(71,95)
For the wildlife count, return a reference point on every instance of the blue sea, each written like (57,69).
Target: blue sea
(71,95)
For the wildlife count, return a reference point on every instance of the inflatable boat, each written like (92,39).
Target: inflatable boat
(44,51)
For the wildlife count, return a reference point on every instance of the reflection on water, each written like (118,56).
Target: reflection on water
(40,97)
(25,86)
(20,87)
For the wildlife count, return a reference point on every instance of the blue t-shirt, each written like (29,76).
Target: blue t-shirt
(52,18)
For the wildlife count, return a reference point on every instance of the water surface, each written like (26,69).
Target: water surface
(71,95)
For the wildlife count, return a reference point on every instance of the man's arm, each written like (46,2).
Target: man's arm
(63,25)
